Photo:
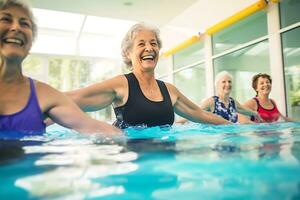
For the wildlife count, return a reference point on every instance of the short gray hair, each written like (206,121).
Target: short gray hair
(5,4)
(127,41)
(220,75)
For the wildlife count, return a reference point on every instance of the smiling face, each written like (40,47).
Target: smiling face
(145,51)
(263,86)
(224,85)
(15,33)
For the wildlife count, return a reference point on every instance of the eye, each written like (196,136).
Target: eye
(5,19)
(25,24)
(154,44)
(140,44)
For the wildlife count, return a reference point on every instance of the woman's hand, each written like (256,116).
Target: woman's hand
(48,121)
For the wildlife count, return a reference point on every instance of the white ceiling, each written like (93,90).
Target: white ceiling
(177,19)
(184,13)
(158,12)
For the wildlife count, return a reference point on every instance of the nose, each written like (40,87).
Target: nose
(15,26)
(148,47)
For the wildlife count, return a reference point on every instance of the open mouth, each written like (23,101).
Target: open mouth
(148,57)
(16,41)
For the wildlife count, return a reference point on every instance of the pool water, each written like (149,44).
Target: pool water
(181,162)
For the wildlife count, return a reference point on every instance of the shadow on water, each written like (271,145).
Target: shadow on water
(10,151)
(14,163)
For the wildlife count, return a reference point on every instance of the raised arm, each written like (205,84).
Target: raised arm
(187,109)
(99,95)
(287,119)
(205,105)
(208,104)
(251,104)
(245,110)
(244,113)
(65,112)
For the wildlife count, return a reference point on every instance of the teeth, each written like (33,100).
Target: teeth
(148,57)
(14,40)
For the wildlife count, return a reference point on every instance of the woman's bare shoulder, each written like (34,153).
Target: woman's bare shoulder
(251,103)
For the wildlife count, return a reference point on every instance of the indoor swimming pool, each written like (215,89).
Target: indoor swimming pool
(181,162)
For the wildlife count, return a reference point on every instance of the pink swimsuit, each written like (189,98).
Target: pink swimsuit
(268,115)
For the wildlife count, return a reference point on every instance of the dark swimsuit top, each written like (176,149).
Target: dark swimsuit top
(139,110)
(229,113)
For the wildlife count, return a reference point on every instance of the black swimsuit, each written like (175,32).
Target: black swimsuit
(139,110)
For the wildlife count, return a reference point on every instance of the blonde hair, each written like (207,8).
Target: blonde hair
(5,4)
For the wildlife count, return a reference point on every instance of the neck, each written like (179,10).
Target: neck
(10,70)
(144,76)
(223,97)
(263,96)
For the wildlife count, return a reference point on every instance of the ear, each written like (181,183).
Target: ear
(128,54)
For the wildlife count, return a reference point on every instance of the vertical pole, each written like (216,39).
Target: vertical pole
(276,59)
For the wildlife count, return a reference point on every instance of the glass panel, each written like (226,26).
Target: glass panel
(97,45)
(102,42)
(242,65)
(62,33)
(164,65)
(251,28)
(113,27)
(55,42)
(34,68)
(67,74)
(291,55)
(167,78)
(289,12)
(58,20)
(192,54)
(190,83)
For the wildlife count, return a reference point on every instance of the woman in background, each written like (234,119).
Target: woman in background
(262,103)
(222,104)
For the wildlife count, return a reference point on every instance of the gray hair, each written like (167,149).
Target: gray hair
(127,41)
(221,75)
(5,4)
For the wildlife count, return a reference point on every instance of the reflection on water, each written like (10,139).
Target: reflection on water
(182,162)
(77,162)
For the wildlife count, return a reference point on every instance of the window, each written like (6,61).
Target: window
(67,74)
(63,33)
(190,55)
(34,67)
(253,27)
(191,82)
(242,65)
(164,65)
(289,12)
(291,57)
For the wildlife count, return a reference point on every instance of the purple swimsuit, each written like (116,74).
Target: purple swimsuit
(28,121)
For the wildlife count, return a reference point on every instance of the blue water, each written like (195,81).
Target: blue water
(180,162)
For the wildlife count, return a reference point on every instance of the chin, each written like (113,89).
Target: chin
(15,57)
(149,67)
